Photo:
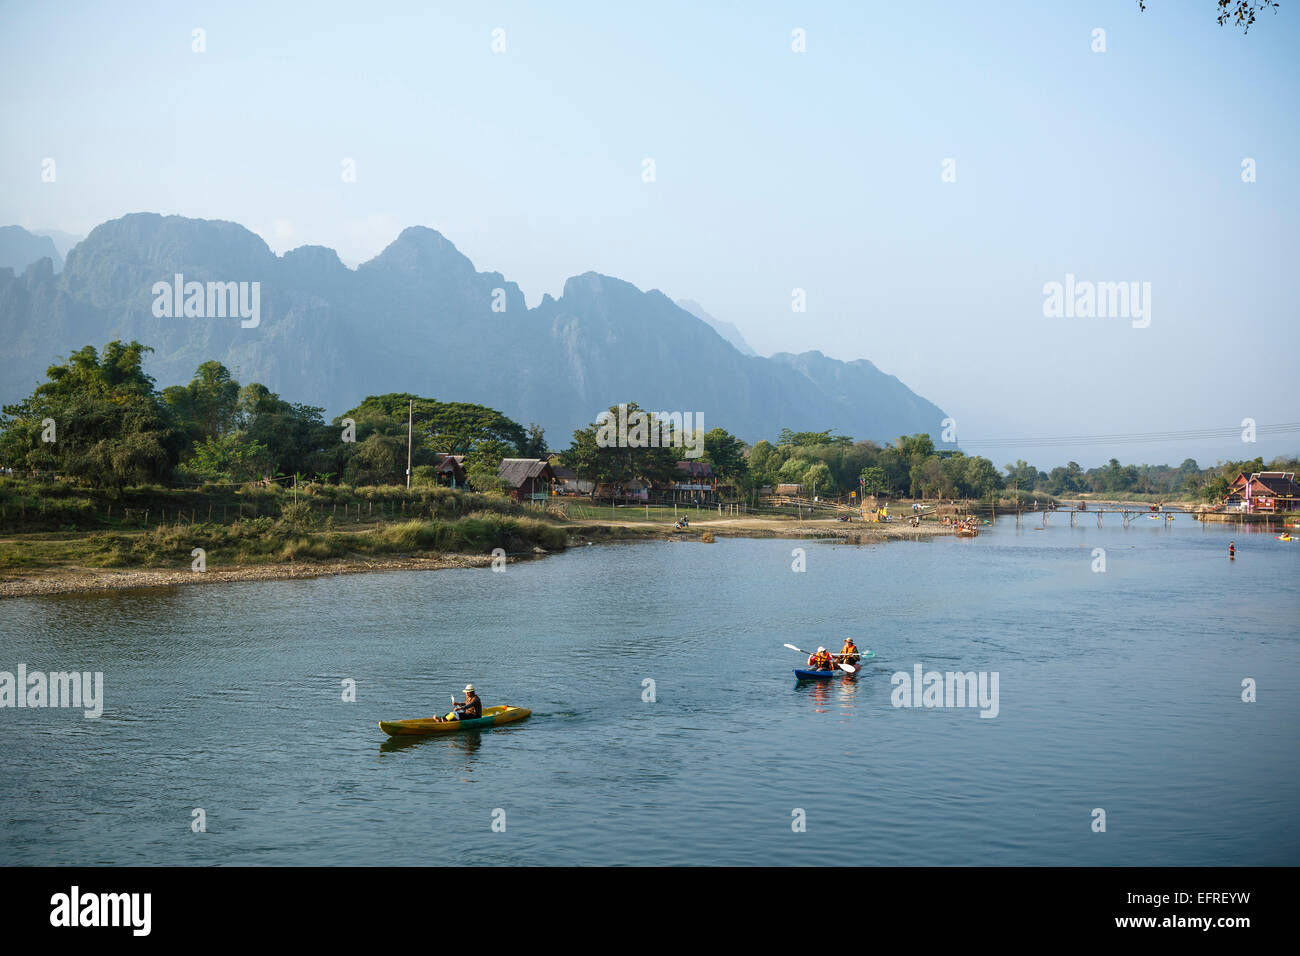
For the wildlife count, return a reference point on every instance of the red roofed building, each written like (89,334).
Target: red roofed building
(1264,492)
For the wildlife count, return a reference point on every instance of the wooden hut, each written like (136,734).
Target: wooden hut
(450,470)
(527,479)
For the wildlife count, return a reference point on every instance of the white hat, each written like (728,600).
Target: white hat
(469,686)
(820,649)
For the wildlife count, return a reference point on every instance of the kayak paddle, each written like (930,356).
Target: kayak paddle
(847,668)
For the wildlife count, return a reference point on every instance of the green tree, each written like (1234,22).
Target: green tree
(873,480)
(765,460)
(915,448)
(535,444)
(596,456)
(817,480)
(295,436)
(930,480)
(207,407)
(109,426)
(1023,475)
(726,453)
(982,477)
(455,428)
(229,458)
(483,464)
(378,460)
(1215,488)
(789,439)
(793,471)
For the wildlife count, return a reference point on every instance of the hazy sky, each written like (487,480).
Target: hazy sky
(774,170)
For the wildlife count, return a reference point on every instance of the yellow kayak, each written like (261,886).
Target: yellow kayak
(492,717)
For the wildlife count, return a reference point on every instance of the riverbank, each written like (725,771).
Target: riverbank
(71,580)
(64,563)
(776,526)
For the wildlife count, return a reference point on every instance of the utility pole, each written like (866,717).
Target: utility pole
(410,415)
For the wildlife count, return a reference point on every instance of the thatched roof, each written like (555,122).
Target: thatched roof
(515,471)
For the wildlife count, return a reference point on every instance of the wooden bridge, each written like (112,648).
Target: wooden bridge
(1127,515)
(901,512)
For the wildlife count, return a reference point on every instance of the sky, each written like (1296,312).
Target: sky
(774,171)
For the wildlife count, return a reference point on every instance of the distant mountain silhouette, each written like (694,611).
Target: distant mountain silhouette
(419,317)
(63,241)
(20,248)
(725,329)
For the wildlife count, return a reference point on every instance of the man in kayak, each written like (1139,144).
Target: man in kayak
(849,652)
(821,661)
(471,709)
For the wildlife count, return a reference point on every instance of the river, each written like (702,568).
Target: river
(1118,690)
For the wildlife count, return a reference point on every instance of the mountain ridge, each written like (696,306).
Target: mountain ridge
(420,317)
(19,248)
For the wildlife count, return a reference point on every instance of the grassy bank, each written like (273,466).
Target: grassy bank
(58,538)
(27,506)
(265,541)
(255,541)
(59,525)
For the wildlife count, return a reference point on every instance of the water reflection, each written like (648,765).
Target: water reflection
(467,741)
(846,689)
(825,693)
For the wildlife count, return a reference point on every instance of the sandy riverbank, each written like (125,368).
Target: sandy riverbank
(74,579)
(769,527)
(69,580)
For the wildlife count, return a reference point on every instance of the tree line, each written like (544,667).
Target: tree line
(99,419)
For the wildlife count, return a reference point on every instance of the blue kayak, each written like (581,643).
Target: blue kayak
(835,672)
(816,675)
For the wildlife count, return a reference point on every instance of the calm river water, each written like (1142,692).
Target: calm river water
(1119,690)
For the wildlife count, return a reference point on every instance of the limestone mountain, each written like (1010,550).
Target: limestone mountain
(20,248)
(419,317)
(726,329)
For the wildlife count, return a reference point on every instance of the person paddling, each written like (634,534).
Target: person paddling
(471,709)
(849,652)
(821,661)
(1232,550)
